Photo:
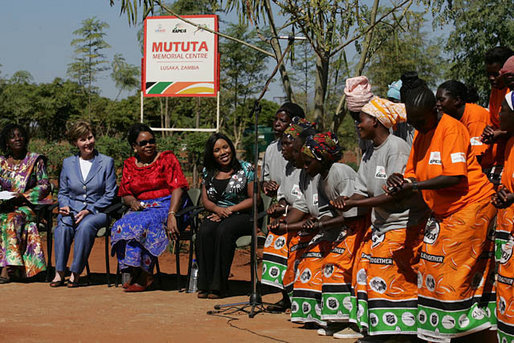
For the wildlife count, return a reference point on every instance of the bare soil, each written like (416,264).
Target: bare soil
(34,312)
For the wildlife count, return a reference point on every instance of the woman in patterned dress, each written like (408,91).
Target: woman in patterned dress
(152,186)
(23,174)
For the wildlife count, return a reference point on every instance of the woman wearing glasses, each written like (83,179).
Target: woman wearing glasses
(151,186)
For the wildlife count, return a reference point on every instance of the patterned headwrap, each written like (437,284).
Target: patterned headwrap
(508,67)
(358,92)
(297,126)
(323,147)
(509,97)
(387,112)
(394,90)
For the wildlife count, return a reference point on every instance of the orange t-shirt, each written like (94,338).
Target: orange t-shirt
(508,167)
(495,105)
(446,150)
(497,152)
(476,118)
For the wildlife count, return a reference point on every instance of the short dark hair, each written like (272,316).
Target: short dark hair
(209,162)
(135,130)
(8,131)
(498,55)
(456,89)
(292,110)
(79,129)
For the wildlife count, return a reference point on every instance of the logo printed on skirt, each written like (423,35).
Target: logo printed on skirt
(378,285)
(432,230)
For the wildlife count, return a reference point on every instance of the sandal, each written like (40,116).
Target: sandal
(202,294)
(4,280)
(215,295)
(73,284)
(59,283)
(135,287)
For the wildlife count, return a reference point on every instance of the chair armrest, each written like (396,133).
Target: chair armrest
(191,210)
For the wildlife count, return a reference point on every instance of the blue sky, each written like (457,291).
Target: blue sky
(36,35)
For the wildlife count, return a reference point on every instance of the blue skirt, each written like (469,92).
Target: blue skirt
(139,237)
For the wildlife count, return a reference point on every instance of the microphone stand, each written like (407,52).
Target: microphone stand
(255,300)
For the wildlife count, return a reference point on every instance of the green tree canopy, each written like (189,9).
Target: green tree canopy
(89,58)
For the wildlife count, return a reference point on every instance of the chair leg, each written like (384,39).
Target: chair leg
(88,273)
(49,240)
(107,266)
(118,275)
(158,272)
(177,259)
(190,262)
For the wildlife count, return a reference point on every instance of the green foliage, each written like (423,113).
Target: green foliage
(478,27)
(125,76)
(55,153)
(410,49)
(242,78)
(90,59)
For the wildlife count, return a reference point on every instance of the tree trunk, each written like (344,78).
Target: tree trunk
(275,45)
(162,115)
(195,158)
(322,67)
(341,111)
(166,116)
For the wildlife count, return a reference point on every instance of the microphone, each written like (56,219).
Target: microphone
(291,37)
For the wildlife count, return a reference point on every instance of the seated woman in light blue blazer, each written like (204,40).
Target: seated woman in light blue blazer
(87,185)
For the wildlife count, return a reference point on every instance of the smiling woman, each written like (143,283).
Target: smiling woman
(227,194)
(23,174)
(152,186)
(87,185)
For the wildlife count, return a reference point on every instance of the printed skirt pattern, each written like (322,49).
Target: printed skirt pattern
(456,295)
(274,259)
(337,290)
(388,273)
(20,243)
(505,278)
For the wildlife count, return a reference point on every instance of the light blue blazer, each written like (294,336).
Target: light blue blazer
(94,193)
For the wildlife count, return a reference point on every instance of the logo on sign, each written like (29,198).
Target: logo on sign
(179,28)
(435,158)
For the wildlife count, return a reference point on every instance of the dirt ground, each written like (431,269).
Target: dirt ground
(34,312)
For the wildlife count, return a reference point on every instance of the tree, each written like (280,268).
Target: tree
(478,27)
(241,78)
(89,60)
(410,49)
(21,76)
(126,76)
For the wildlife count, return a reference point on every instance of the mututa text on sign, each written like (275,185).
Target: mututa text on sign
(181,59)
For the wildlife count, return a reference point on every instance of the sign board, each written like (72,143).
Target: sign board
(180,59)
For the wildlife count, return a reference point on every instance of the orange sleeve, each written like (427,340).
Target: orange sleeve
(454,152)
(475,131)
(409,168)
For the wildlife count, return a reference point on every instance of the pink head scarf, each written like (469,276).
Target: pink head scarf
(358,92)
